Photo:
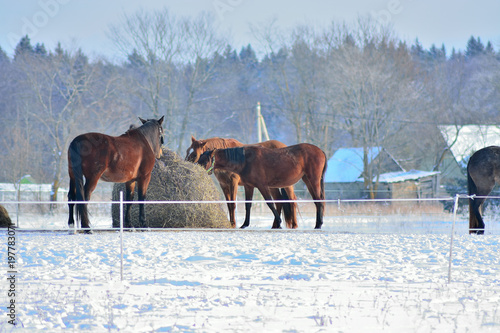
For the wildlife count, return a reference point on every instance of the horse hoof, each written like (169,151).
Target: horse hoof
(243,226)
(88,232)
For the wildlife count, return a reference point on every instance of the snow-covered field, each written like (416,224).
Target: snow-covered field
(356,275)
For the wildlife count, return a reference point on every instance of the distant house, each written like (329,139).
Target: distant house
(462,142)
(465,140)
(345,168)
(343,178)
(413,184)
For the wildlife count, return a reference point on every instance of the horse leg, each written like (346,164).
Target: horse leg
(233,191)
(229,190)
(143,187)
(248,205)
(129,196)
(71,197)
(315,189)
(289,208)
(266,193)
(476,223)
(90,185)
(276,195)
(480,188)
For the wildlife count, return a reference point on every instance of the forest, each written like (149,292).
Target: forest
(345,85)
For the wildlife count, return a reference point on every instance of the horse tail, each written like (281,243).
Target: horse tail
(289,208)
(323,178)
(76,166)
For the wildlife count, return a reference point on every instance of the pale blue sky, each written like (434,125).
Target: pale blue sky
(79,23)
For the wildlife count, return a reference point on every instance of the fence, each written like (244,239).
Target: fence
(335,203)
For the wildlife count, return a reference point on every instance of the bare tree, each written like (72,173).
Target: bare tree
(375,90)
(174,63)
(58,84)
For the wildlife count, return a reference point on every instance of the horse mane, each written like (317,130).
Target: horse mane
(149,130)
(235,155)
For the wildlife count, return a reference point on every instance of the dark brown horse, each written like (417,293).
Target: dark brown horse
(266,168)
(128,159)
(229,181)
(483,172)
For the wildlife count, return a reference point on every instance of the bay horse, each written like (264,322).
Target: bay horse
(128,158)
(229,181)
(483,172)
(267,168)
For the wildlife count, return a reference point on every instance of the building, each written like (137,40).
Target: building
(344,177)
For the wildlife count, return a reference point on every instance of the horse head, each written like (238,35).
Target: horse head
(152,130)
(207,160)
(194,151)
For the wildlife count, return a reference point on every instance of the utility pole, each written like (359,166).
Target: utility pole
(261,125)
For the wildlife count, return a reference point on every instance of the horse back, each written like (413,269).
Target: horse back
(283,166)
(271,144)
(484,165)
(115,159)
(221,143)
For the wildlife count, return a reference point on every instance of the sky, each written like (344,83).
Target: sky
(84,24)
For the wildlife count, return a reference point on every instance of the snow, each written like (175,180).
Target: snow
(401,176)
(358,274)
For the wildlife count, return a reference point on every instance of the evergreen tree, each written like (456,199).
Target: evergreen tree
(3,56)
(230,55)
(135,60)
(247,55)
(24,47)
(489,49)
(474,47)
(417,51)
(40,50)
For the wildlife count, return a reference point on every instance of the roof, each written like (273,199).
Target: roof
(401,176)
(465,140)
(346,165)
(9,187)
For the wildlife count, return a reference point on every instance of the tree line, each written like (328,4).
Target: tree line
(339,86)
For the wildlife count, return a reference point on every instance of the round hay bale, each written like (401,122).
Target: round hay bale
(5,220)
(174,179)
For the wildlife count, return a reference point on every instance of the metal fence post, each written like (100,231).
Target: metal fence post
(455,207)
(121,235)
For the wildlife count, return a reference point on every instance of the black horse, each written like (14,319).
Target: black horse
(483,172)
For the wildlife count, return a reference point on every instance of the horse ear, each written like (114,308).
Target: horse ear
(160,121)
(202,144)
(212,154)
(192,139)
(142,120)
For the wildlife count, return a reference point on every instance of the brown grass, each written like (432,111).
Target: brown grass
(377,208)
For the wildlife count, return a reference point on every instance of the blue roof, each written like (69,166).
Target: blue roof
(346,165)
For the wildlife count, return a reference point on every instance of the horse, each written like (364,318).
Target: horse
(483,172)
(128,159)
(267,168)
(229,181)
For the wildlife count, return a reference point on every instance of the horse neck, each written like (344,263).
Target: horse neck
(145,130)
(228,162)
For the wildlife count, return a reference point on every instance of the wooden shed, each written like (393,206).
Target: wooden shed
(413,184)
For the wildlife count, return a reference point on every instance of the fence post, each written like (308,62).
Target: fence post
(121,235)
(455,207)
